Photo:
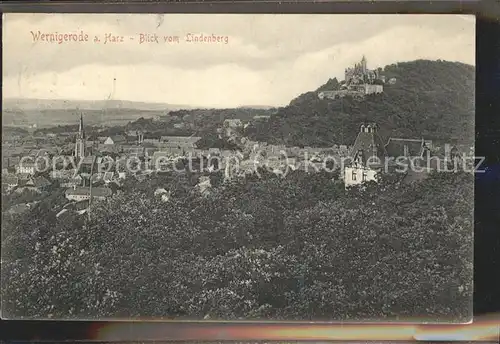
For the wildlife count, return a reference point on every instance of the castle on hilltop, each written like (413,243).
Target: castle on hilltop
(358,82)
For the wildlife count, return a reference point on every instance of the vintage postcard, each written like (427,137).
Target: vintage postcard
(238,167)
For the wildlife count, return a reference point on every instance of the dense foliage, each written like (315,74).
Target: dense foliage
(284,248)
(430,99)
(212,140)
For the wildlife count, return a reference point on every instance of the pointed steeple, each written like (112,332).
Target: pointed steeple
(80,140)
(81,132)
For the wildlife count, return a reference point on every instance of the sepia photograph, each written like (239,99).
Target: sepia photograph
(238,167)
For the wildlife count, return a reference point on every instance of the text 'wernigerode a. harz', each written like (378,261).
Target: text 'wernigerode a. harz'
(112,38)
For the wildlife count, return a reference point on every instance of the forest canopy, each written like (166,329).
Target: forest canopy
(296,248)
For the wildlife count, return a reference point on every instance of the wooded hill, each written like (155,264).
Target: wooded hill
(430,99)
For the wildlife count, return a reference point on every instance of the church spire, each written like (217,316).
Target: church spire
(80,140)
(81,132)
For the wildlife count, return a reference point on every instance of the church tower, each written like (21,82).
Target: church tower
(80,140)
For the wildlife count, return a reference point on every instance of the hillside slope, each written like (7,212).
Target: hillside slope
(431,99)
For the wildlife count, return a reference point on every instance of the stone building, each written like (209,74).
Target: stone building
(359,81)
(83,193)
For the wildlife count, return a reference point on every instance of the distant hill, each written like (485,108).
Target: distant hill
(46,104)
(51,112)
(257,107)
(430,99)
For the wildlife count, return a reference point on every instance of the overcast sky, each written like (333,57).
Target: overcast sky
(269,59)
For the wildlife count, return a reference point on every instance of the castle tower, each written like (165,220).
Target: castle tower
(363,64)
(80,140)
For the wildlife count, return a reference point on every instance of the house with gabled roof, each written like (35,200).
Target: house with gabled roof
(366,158)
(401,147)
(83,193)
(75,180)
(414,153)
(115,139)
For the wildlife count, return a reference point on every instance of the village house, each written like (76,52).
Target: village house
(108,149)
(397,147)
(152,139)
(73,181)
(35,184)
(115,139)
(406,149)
(61,175)
(83,193)
(261,117)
